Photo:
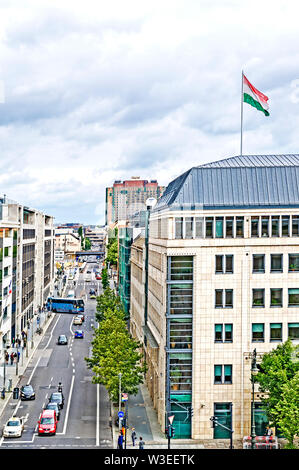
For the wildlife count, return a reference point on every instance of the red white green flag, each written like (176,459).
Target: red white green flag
(254,97)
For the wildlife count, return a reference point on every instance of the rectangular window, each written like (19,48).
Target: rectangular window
(219,264)
(258,263)
(224,264)
(255,226)
(229,221)
(198,227)
(209,227)
(223,413)
(222,374)
(180,333)
(6,251)
(219,227)
(258,297)
(293,331)
(228,332)
(229,264)
(218,374)
(218,333)
(258,332)
(295,226)
(293,263)
(219,298)
(293,297)
(5,272)
(228,374)
(228,298)
(179,227)
(240,227)
(181,268)
(275,331)
(276,297)
(180,371)
(180,299)
(276,263)
(285,226)
(265,226)
(189,227)
(275,225)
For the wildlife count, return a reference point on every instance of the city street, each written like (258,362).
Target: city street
(84,419)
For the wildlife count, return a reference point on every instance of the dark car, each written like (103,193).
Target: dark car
(54,406)
(57,397)
(27,392)
(62,339)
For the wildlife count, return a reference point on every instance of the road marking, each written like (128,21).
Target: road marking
(68,407)
(98,417)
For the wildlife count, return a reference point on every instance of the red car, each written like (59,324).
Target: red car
(47,423)
(98,277)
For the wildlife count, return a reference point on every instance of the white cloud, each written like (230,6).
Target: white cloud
(97,91)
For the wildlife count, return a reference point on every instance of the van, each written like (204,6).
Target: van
(47,423)
(71,294)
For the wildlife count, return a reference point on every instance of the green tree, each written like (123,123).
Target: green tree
(87,244)
(277,369)
(114,351)
(105,280)
(108,300)
(286,411)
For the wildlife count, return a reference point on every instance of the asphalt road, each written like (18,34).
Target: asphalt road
(84,420)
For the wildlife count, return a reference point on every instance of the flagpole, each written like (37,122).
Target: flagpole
(242,100)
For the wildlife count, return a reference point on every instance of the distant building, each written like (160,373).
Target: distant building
(223,277)
(125,198)
(69,243)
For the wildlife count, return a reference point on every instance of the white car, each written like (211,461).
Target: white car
(77,321)
(14,427)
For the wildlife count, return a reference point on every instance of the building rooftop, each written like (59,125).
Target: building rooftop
(260,181)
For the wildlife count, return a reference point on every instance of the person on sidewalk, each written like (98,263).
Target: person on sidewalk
(15,357)
(134,436)
(11,359)
(19,354)
(6,357)
(141,443)
(120,441)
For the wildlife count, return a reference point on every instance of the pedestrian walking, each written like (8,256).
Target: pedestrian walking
(134,436)
(15,357)
(19,354)
(6,357)
(11,359)
(141,443)
(120,440)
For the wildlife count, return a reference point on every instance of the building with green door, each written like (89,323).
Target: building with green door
(222,276)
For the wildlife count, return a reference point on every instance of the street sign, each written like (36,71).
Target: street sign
(170,419)
(121,414)
(124,397)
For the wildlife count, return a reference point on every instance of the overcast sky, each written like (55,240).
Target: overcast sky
(93,91)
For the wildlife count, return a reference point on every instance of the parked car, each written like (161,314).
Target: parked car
(62,339)
(27,392)
(54,406)
(57,397)
(47,423)
(79,334)
(13,427)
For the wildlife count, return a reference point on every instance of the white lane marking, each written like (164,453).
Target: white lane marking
(98,417)
(68,407)
(52,333)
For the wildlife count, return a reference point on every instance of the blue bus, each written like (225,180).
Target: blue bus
(69,305)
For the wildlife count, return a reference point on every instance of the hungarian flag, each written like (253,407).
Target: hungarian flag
(254,97)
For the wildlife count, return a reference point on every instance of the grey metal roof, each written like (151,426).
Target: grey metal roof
(239,182)
(255,160)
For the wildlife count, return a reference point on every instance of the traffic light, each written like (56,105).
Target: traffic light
(172,432)
(166,431)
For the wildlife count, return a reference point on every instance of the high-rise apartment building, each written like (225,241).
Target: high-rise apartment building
(125,198)
(223,280)
(26,266)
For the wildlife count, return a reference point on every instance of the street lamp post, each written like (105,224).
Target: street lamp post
(119,399)
(254,372)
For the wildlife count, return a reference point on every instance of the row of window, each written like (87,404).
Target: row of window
(233,227)
(224,298)
(224,264)
(224,332)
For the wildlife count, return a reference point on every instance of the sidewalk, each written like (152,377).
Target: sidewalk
(14,373)
(143,417)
